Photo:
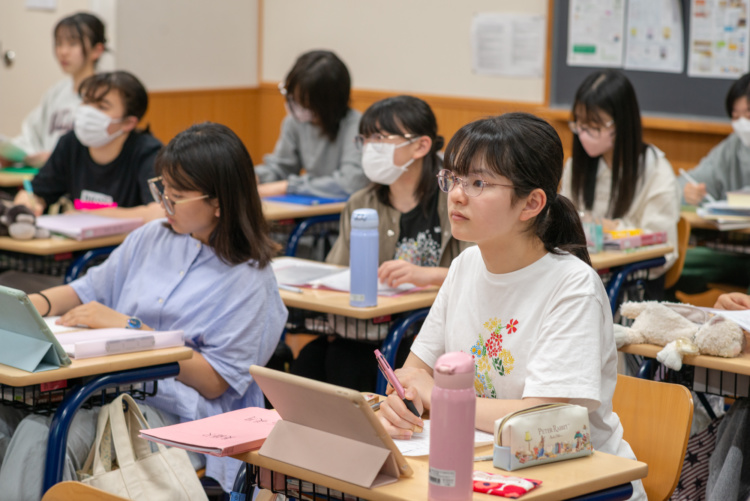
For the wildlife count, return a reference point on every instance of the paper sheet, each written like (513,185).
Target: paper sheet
(58,329)
(508,44)
(654,36)
(718,46)
(419,444)
(595,33)
(740,317)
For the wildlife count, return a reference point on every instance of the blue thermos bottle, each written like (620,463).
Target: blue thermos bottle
(363,258)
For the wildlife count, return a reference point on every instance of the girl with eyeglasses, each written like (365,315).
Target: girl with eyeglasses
(317,134)
(79,43)
(105,159)
(204,270)
(524,302)
(613,175)
(399,144)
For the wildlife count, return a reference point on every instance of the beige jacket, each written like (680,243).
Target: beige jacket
(389,228)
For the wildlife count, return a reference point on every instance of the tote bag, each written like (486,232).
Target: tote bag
(122,463)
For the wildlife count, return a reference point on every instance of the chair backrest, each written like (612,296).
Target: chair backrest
(683,237)
(656,419)
(66,491)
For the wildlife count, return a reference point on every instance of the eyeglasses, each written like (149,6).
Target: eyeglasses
(378,140)
(593,132)
(163,199)
(471,184)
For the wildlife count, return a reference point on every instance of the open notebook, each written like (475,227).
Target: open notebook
(301,272)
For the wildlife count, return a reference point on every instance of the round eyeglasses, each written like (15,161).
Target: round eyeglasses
(378,140)
(164,200)
(471,184)
(593,132)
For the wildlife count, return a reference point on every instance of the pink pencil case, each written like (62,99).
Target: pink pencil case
(502,485)
(79,204)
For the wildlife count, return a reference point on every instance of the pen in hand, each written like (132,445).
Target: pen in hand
(390,376)
(692,181)
(30,191)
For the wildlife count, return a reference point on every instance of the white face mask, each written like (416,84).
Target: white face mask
(90,126)
(741,127)
(377,162)
(596,147)
(301,113)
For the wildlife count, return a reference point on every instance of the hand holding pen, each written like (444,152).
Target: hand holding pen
(390,376)
(694,191)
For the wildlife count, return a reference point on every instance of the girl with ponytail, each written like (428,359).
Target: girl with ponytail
(524,302)
(399,143)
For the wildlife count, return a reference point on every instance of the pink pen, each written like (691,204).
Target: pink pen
(388,373)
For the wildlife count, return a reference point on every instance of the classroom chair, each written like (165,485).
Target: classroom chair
(683,237)
(67,491)
(656,419)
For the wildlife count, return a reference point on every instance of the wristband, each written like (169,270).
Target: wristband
(49,304)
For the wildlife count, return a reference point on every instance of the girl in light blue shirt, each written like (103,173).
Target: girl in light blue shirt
(204,270)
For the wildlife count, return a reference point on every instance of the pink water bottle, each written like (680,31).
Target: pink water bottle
(452,413)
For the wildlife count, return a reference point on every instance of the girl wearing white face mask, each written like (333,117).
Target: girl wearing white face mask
(613,174)
(317,134)
(104,159)
(725,168)
(399,143)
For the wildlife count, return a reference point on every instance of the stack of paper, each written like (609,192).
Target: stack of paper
(726,215)
(81,225)
(221,435)
(89,343)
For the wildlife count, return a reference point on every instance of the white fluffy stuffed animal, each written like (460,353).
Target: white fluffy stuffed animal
(681,328)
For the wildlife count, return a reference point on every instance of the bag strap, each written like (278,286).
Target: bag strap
(120,433)
(94,458)
(136,422)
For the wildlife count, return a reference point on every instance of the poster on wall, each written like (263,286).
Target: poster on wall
(511,45)
(718,46)
(595,33)
(654,35)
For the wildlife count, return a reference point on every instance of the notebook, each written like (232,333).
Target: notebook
(27,342)
(224,434)
(82,226)
(87,343)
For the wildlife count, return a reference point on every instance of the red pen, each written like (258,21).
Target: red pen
(388,373)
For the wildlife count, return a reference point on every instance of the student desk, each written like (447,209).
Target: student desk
(563,480)
(100,372)
(706,224)
(623,263)
(304,216)
(716,375)
(13,179)
(55,245)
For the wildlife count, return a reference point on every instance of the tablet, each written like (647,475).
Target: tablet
(328,408)
(19,317)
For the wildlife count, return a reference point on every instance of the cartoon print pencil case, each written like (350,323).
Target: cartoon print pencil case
(541,434)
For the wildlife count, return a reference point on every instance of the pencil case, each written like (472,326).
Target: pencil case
(541,434)
(79,204)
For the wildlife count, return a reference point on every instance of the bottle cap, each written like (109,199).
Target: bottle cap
(454,371)
(365,219)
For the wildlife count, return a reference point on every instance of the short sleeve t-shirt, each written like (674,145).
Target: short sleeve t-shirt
(420,235)
(542,331)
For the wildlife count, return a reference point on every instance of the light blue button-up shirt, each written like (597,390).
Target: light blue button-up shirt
(232,315)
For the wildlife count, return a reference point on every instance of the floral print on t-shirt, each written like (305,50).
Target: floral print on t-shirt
(490,357)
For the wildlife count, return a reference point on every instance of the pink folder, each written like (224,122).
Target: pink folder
(221,435)
(82,225)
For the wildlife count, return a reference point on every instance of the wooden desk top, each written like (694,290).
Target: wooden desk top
(337,302)
(559,480)
(11,179)
(738,365)
(610,259)
(273,211)
(93,366)
(705,224)
(57,245)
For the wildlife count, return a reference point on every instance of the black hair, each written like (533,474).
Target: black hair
(407,115)
(740,88)
(609,91)
(210,158)
(133,93)
(526,150)
(320,82)
(82,26)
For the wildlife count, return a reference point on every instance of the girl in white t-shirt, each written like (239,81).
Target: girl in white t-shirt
(524,302)
(79,43)
(613,174)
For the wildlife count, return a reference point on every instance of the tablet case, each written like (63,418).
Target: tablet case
(329,430)
(27,342)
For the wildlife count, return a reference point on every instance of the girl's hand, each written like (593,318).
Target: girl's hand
(397,271)
(733,301)
(273,189)
(94,315)
(609,224)
(399,421)
(694,193)
(37,159)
